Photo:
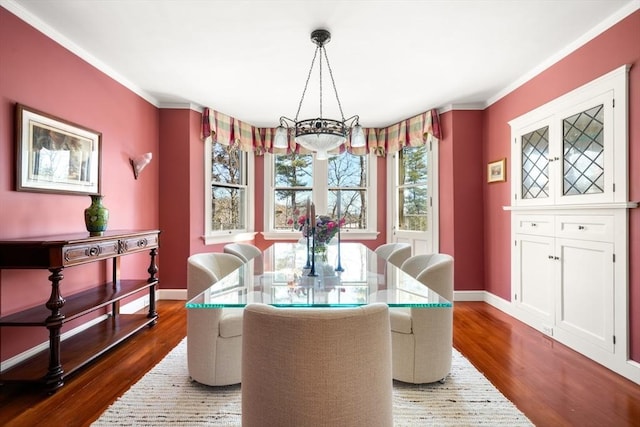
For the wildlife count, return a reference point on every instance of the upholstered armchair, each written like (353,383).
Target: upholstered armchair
(316,367)
(422,338)
(245,251)
(395,253)
(214,336)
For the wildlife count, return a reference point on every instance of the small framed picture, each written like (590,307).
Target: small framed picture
(54,155)
(496,171)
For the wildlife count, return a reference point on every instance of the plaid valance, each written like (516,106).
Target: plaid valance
(228,130)
(414,131)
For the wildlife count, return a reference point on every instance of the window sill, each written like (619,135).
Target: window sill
(345,235)
(231,236)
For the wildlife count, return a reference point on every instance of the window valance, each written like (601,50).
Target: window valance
(227,130)
(414,131)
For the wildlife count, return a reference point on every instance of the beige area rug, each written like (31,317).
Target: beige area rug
(166,396)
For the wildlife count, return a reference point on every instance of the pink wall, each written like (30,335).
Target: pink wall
(617,46)
(461,178)
(37,72)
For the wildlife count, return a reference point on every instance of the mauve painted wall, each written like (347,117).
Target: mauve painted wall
(461,180)
(37,72)
(615,47)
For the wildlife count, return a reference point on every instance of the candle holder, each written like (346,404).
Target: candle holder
(312,272)
(308,264)
(339,266)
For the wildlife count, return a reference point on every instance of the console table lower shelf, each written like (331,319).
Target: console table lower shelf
(79,349)
(107,326)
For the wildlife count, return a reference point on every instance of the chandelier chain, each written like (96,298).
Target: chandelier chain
(335,90)
(321,47)
(313,61)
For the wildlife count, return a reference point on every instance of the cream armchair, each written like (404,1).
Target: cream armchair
(422,338)
(395,253)
(316,367)
(214,336)
(245,251)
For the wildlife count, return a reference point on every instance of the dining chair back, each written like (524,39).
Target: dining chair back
(244,251)
(395,253)
(316,366)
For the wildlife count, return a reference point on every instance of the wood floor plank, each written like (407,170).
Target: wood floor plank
(552,384)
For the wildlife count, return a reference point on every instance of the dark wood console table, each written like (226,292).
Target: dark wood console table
(55,253)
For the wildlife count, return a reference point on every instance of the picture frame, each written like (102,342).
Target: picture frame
(497,171)
(55,155)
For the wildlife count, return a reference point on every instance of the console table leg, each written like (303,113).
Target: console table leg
(53,379)
(153,270)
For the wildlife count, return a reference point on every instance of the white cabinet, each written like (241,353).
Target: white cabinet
(563,276)
(584,293)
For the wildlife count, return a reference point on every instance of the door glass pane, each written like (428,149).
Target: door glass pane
(535,164)
(583,147)
(413,197)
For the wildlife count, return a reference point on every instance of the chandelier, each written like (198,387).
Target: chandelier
(320,134)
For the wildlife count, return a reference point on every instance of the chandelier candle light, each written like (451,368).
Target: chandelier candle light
(320,134)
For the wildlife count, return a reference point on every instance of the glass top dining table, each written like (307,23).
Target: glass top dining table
(284,276)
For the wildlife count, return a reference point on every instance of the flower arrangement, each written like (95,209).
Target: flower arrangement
(325,228)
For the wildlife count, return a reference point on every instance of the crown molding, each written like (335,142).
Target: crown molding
(181,106)
(603,26)
(65,42)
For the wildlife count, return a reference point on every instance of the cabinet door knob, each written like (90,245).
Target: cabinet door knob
(581,227)
(533,224)
(550,256)
(556,257)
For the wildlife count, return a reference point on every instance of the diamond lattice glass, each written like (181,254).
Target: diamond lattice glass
(535,164)
(583,148)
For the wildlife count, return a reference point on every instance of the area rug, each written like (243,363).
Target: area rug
(166,396)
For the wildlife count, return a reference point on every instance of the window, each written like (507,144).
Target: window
(413,197)
(296,178)
(228,211)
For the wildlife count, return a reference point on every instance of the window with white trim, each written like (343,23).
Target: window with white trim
(413,197)
(228,193)
(296,178)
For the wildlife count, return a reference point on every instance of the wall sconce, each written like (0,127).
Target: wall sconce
(139,163)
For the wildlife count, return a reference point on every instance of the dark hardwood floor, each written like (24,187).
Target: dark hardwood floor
(551,384)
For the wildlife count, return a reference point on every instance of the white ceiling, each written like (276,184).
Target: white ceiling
(390,59)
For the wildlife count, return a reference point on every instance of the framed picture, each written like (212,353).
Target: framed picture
(54,155)
(496,171)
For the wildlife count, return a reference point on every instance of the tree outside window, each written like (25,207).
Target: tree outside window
(413,196)
(296,175)
(228,188)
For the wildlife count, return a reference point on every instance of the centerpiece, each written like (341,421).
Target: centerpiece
(321,230)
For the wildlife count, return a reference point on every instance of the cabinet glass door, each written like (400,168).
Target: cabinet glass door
(535,164)
(583,149)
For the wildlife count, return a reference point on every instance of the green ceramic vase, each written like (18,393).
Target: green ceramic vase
(96,216)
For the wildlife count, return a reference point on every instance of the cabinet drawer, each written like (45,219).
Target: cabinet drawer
(586,227)
(81,253)
(139,243)
(541,225)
